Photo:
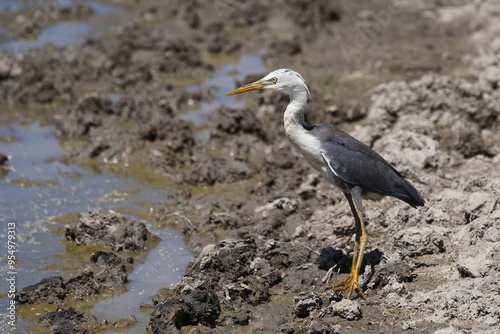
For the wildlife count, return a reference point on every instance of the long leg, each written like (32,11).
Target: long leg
(351,282)
(356,243)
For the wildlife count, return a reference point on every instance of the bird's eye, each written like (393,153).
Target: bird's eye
(274,80)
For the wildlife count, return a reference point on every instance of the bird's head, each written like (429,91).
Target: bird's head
(282,79)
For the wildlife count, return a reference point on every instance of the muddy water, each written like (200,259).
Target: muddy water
(61,33)
(163,268)
(40,194)
(221,82)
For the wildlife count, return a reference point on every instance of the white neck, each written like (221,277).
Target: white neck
(294,113)
(299,137)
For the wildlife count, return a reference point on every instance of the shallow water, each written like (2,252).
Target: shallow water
(60,33)
(221,82)
(10,5)
(38,192)
(40,195)
(163,268)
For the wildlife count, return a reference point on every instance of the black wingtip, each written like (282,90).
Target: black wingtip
(412,197)
(415,204)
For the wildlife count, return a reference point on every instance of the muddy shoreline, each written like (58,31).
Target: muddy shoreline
(419,83)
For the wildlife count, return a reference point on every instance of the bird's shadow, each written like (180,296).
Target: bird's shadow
(335,258)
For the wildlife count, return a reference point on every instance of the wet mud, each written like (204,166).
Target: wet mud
(417,82)
(112,230)
(105,271)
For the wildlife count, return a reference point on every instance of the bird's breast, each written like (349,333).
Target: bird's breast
(309,146)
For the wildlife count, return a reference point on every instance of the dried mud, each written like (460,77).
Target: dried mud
(419,83)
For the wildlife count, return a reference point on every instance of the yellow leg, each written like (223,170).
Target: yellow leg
(351,282)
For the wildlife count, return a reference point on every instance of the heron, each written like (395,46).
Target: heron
(341,159)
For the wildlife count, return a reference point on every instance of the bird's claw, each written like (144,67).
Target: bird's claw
(351,283)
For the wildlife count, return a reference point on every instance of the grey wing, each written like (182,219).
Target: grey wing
(365,168)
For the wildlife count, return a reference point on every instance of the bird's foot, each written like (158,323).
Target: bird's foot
(351,283)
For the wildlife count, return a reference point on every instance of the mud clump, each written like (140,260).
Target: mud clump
(111,230)
(479,260)
(347,309)
(153,135)
(28,82)
(68,321)
(50,290)
(223,278)
(238,278)
(213,170)
(233,121)
(49,74)
(105,271)
(4,164)
(197,304)
(461,114)
(87,113)
(417,242)
(304,305)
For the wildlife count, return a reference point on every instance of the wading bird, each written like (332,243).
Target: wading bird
(343,160)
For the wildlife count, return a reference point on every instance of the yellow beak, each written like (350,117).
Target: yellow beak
(259,84)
